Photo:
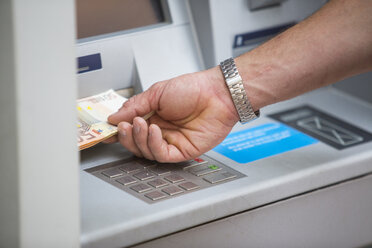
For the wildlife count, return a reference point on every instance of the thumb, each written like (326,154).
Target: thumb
(138,105)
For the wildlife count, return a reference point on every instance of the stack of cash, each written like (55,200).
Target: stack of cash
(92,118)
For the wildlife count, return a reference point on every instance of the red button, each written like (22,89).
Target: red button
(199,160)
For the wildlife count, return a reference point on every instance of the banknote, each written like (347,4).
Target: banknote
(92,122)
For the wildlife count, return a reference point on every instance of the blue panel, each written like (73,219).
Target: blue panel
(89,63)
(261,142)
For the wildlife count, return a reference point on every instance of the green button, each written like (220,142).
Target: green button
(213,167)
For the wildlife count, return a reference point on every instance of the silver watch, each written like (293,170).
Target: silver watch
(235,84)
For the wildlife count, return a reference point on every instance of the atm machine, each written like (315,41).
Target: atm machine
(300,175)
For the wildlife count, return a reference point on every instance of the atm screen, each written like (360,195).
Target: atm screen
(98,17)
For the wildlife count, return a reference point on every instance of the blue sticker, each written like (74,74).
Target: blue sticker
(262,141)
(89,63)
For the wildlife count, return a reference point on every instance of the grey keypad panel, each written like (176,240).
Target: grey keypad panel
(153,182)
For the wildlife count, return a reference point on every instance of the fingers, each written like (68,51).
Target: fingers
(140,135)
(134,138)
(125,136)
(147,141)
(157,145)
(160,149)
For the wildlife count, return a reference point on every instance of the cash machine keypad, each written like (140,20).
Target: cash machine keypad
(152,182)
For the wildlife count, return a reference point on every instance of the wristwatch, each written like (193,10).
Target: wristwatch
(235,84)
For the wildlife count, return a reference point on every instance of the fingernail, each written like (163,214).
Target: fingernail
(121,129)
(150,130)
(123,132)
(137,129)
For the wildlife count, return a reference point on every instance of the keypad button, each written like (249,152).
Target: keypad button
(145,162)
(172,190)
(191,163)
(161,170)
(113,172)
(174,178)
(188,186)
(202,170)
(144,175)
(219,177)
(127,180)
(200,160)
(155,195)
(157,183)
(140,188)
(131,168)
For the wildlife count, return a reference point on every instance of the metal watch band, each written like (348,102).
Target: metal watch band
(235,84)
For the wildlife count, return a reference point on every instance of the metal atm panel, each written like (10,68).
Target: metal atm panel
(112,217)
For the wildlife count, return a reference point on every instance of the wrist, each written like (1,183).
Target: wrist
(221,91)
(250,76)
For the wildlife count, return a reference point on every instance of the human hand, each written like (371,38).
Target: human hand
(193,113)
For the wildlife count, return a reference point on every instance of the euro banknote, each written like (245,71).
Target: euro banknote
(92,122)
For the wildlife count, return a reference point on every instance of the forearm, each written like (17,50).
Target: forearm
(334,43)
